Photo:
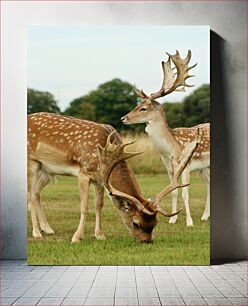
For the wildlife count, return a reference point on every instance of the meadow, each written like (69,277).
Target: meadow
(174,244)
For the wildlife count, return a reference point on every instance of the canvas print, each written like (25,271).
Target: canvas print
(118,122)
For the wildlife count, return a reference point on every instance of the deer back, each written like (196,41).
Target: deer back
(68,146)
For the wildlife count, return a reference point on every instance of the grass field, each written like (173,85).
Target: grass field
(174,244)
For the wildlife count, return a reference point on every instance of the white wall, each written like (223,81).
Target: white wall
(227,20)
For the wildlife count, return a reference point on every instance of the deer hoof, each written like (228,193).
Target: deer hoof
(189,223)
(204,218)
(76,239)
(48,230)
(37,234)
(173,220)
(100,236)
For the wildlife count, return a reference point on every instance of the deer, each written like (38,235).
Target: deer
(94,153)
(170,142)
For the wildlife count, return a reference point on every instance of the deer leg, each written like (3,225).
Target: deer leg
(185,196)
(42,180)
(174,195)
(99,194)
(32,203)
(84,183)
(33,168)
(206,176)
(45,227)
(37,180)
(33,196)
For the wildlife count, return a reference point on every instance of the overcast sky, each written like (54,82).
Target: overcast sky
(70,61)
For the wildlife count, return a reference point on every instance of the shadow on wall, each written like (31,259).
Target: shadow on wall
(224,212)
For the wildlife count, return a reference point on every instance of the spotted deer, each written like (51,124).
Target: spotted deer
(94,153)
(170,142)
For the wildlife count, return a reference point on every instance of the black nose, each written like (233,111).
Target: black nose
(147,241)
(123,118)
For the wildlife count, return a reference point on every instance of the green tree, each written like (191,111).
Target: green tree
(174,114)
(39,101)
(196,107)
(82,108)
(107,104)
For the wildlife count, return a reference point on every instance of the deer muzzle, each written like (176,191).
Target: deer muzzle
(124,119)
(146,241)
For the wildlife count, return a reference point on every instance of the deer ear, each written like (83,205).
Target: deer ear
(155,104)
(122,204)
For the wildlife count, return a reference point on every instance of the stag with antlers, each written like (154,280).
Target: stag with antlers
(171,142)
(94,153)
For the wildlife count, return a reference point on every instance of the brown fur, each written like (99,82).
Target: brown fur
(171,142)
(61,145)
(179,136)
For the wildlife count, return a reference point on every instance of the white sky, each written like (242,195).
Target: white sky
(69,61)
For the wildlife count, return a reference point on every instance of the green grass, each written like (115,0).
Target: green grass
(174,244)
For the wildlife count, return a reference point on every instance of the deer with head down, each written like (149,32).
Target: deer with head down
(170,142)
(94,153)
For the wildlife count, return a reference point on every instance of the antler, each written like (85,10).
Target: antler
(109,157)
(113,154)
(140,93)
(174,81)
(178,167)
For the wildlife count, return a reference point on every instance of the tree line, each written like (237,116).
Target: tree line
(113,99)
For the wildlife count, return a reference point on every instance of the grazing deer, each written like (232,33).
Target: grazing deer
(61,145)
(170,142)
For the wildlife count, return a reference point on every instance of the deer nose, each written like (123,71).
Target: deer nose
(124,119)
(147,241)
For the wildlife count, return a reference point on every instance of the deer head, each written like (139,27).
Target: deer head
(172,81)
(140,217)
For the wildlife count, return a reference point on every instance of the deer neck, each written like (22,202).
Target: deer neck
(123,179)
(161,136)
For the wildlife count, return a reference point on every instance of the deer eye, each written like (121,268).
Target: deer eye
(126,206)
(143,109)
(136,225)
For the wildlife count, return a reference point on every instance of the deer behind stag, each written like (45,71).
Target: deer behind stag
(94,153)
(171,142)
